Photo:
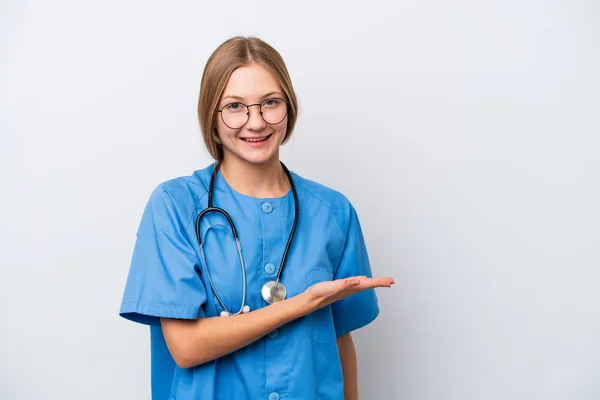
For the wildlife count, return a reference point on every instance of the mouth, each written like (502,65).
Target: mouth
(256,139)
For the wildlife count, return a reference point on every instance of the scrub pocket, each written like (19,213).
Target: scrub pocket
(319,324)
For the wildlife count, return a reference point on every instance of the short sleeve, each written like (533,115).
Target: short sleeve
(361,308)
(163,279)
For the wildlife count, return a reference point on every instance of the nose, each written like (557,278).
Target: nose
(255,120)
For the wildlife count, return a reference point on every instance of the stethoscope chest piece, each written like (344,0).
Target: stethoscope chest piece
(273,291)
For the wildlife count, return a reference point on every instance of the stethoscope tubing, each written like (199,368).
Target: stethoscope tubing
(221,211)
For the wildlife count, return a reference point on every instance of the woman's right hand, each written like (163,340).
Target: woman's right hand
(324,293)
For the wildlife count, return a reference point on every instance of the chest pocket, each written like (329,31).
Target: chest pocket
(319,324)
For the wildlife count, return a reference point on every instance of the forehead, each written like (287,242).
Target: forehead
(250,82)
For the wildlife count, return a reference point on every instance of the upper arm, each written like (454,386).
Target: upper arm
(178,334)
(163,281)
(343,340)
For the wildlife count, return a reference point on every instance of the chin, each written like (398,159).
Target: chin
(257,159)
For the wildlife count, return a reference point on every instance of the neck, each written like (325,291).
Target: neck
(256,180)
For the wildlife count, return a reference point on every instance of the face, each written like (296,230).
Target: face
(257,142)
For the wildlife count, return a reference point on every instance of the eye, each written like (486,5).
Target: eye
(233,106)
(271,102)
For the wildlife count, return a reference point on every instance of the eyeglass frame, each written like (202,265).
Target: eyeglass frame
(287,105)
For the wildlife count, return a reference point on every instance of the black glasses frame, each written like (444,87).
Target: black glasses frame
(287,105)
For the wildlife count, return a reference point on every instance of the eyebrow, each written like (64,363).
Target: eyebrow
(241,98)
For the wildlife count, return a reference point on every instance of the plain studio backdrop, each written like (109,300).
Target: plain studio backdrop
(465,133)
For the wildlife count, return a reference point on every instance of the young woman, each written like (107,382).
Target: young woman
(267,316)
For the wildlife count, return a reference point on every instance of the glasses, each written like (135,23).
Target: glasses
(236,115)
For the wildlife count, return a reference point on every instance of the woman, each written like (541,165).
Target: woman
(270,319)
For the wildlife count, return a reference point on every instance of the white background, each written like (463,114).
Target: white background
(466,134)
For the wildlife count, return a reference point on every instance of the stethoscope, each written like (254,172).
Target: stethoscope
(272,291)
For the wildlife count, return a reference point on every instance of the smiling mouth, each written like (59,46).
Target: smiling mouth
(257,140)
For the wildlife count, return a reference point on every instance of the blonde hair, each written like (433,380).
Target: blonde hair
(230,55)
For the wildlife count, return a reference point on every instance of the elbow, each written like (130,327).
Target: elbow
(184,350)
(180,356)
(186,357)
(189,354)
(182,361)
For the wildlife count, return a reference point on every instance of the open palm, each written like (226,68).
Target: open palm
(328,292)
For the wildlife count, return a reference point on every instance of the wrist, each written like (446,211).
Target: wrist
(306,303)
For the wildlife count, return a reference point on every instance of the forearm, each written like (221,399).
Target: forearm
(349,366)
(194,342)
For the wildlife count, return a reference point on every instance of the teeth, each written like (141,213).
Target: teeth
(255,139)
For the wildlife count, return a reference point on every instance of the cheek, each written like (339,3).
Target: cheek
(282,128)
(223,131)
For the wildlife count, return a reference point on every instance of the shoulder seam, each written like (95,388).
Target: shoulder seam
(189,220)
(326,204)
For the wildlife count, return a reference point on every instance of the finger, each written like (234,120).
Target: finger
(367,283)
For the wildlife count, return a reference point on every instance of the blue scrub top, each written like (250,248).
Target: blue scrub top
(300,360)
